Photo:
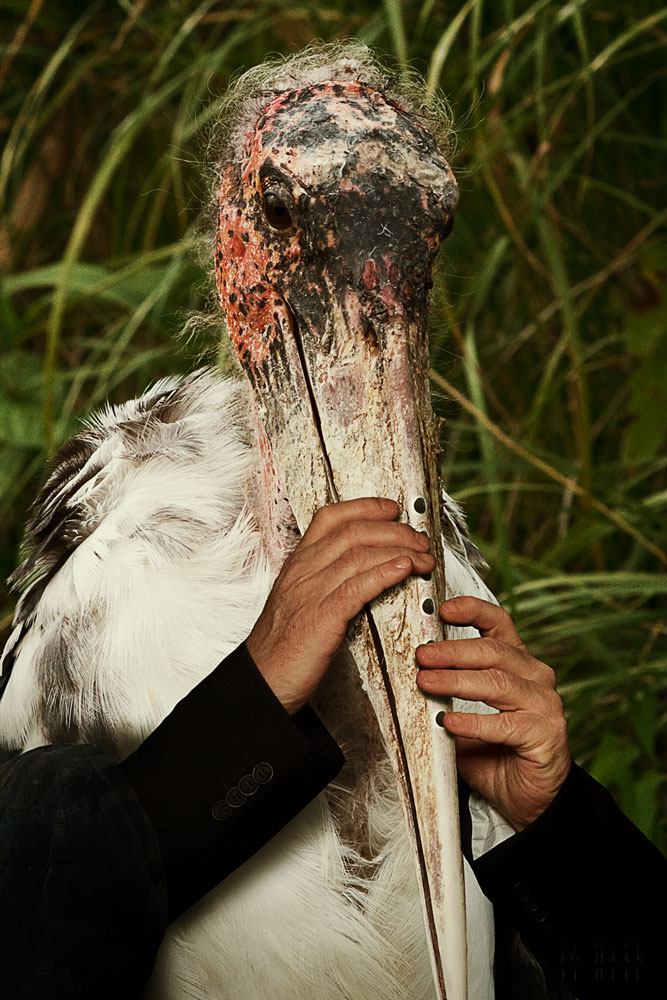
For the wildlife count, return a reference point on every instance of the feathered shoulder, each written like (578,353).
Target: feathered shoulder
(175,422)
(144,513)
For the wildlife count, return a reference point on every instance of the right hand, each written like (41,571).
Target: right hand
(351,552)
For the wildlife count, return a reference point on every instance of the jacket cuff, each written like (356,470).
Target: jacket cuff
(539,869)
(224,772)
(585,889)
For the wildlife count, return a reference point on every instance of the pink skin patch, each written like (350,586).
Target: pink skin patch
(255,312)
(364,185)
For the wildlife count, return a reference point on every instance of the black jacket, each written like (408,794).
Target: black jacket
(107,854)
(584,892)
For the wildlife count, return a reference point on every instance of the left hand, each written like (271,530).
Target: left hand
(519,758)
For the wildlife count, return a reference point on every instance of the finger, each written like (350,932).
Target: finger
(351,535)
(356,562)
(487,618)
(482,654)
(523,731)
(350,597)
(494,687)
(333,514)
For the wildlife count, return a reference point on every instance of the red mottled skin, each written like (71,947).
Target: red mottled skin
(241,278)
(255,266)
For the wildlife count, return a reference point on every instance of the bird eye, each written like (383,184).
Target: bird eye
(277,212)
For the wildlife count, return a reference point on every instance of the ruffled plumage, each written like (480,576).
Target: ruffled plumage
(144,566)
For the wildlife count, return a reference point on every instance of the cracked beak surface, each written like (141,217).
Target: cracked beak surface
(332,335)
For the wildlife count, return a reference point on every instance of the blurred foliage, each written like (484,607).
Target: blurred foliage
(549,323)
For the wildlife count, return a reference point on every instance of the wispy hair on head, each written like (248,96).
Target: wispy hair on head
(250,93)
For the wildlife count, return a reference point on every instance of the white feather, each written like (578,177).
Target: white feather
(168,577)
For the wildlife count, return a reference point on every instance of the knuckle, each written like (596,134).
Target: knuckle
(400,534)
(506,618)
(453,681)
(507,723)
(323,514)
(556,705)
(449,649)
(350,533)
(412,534)
(549,675)
(348,592)
(561,730)
(560,724)
(474,724)
(498,680)
(348,561)
(457,654)
(491,649)
(550,701)
(558,713)
(512,724)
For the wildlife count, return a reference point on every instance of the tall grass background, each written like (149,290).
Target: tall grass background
(549,319)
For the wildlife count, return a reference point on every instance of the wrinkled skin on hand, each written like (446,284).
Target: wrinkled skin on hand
(350,553)
(517,759)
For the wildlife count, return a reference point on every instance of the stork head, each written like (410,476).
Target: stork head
(329,221)
(330,213)
(333,199)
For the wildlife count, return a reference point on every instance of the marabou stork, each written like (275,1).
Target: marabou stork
(157,536)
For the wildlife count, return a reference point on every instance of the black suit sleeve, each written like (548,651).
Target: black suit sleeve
(586,892)
(82,892)
(224,772)
(95,858)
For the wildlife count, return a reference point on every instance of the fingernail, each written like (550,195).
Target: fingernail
(402,563)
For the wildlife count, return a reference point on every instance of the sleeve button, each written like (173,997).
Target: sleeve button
(521,892)
(262,773)
(248,785)
(235,797)
(221,810)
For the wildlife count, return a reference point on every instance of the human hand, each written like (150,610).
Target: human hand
(351,552)
(519,758)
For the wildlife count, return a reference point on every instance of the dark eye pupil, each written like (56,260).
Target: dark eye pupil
(276,212)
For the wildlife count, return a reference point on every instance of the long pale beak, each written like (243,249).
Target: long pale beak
(346,409)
